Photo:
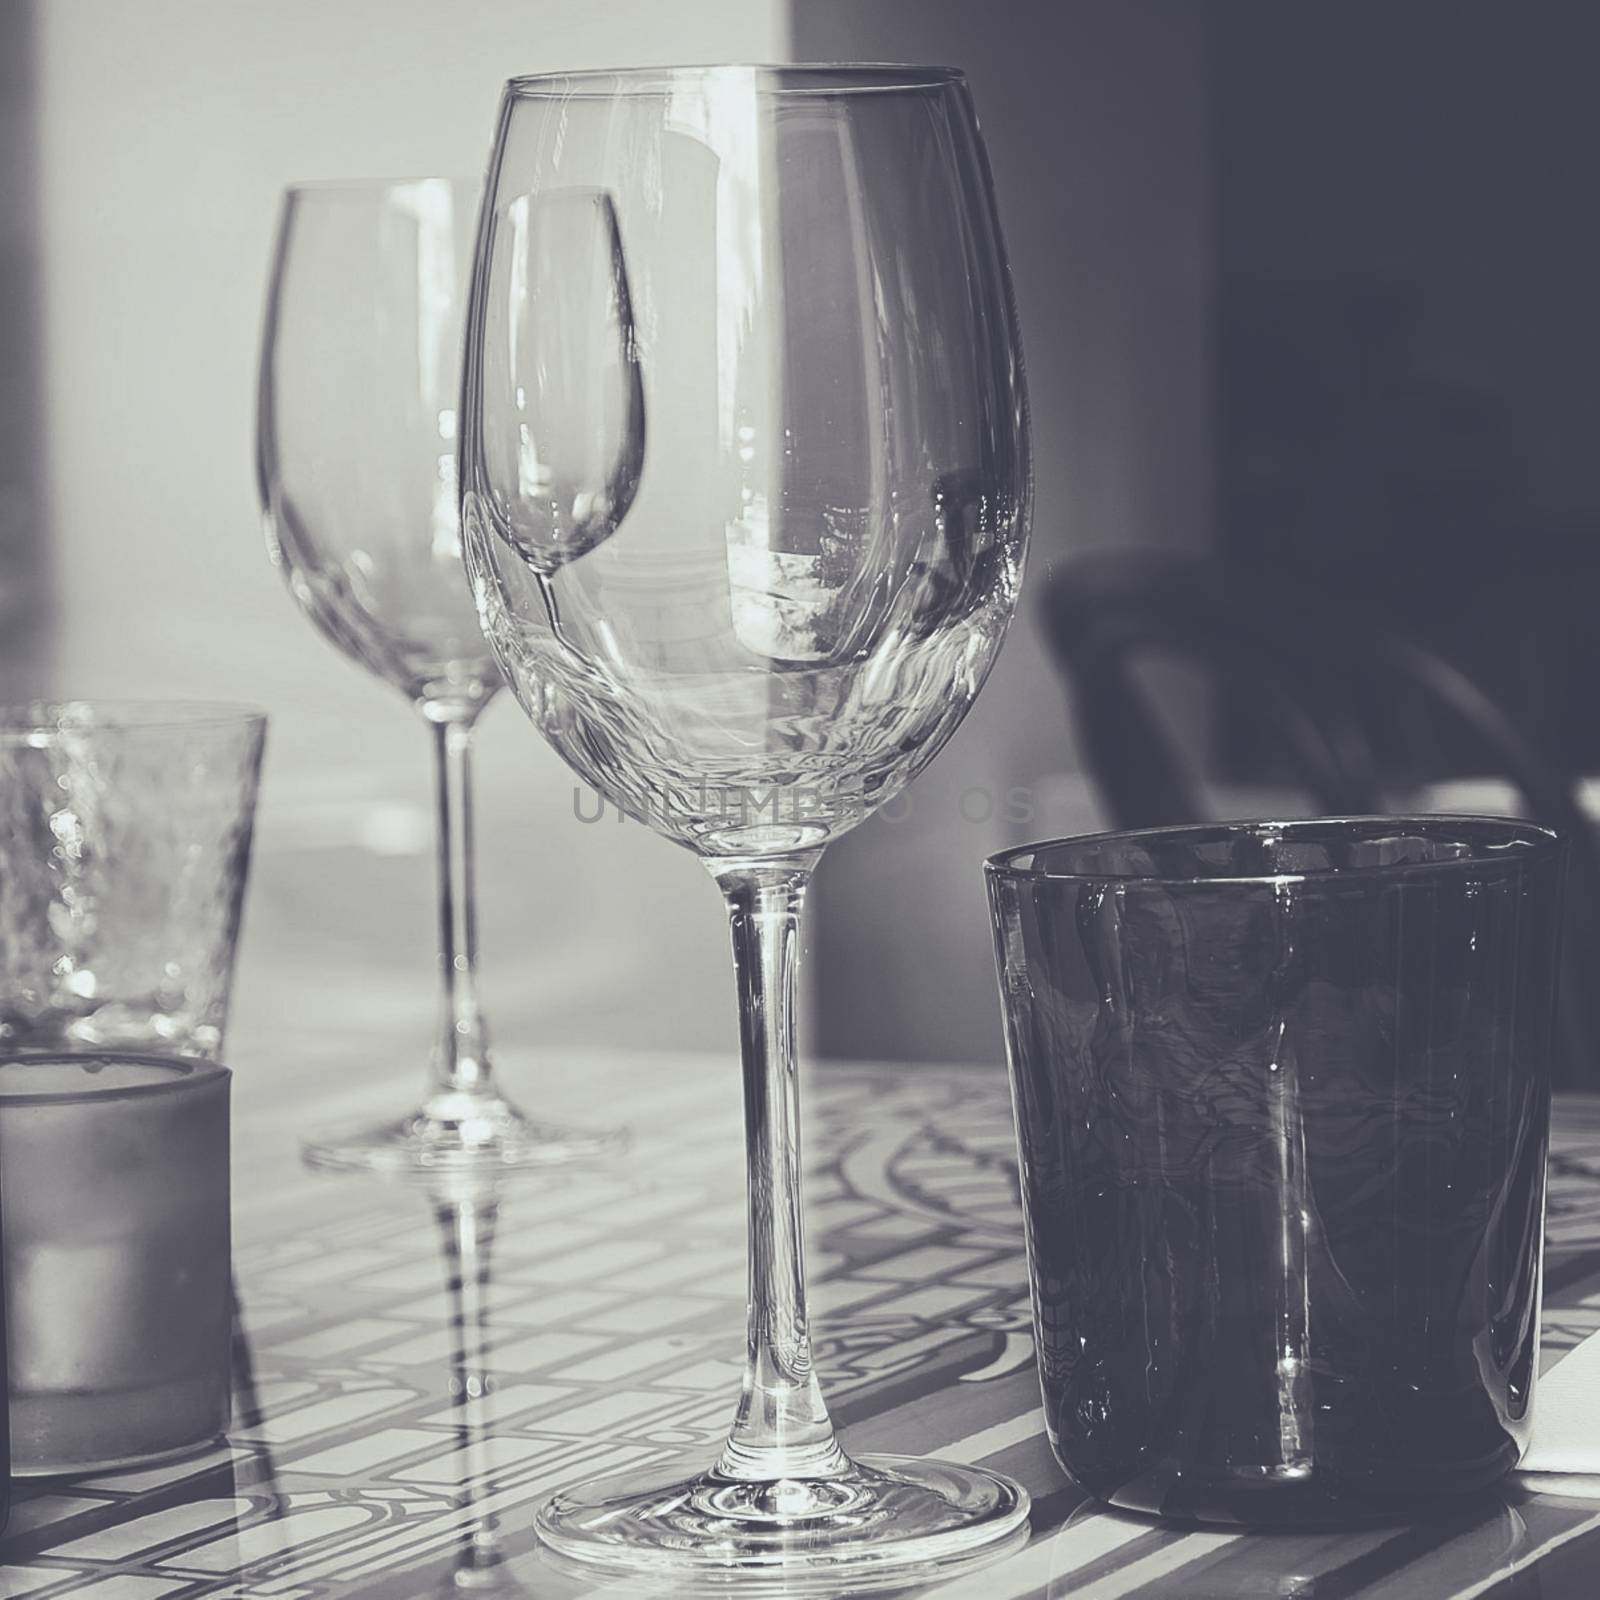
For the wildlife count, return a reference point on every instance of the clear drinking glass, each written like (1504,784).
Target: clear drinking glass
(360,376)
(124,848)
(745,483)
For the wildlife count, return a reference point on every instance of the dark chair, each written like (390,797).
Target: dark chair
(1335,703)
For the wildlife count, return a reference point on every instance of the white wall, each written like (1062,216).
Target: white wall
(166,131)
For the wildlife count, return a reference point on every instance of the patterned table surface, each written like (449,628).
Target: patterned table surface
(413,1379)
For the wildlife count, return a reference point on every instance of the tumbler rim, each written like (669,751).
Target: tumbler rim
(189,1074)
(775,78)
(1536,841)
(25,719)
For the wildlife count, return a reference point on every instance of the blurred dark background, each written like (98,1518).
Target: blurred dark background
(1404,337)
(1307,294)
(1306,288)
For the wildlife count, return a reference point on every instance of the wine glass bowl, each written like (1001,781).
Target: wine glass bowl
(780,607)
(357,422)
(565,430)
(823,546)
(359,391)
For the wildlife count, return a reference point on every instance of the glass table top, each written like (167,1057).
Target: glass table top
(415,1373)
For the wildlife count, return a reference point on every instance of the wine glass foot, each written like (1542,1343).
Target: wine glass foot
(472,1136)
(888,1521)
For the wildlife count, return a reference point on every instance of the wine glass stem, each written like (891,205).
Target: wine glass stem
(782,1429)
(461,1062)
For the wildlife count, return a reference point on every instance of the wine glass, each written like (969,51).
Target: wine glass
(758,629)
(359,385)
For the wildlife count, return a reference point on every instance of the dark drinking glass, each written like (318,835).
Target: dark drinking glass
(1282,1097)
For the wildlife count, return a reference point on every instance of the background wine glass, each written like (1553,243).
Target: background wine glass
(760,628)
(360,376)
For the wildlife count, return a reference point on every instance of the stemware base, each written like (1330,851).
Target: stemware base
(471,1136)
(886,1522)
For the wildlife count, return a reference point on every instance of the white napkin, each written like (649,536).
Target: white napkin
(1564,1455)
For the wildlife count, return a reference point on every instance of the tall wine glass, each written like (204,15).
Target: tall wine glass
(359,385)
(755,619)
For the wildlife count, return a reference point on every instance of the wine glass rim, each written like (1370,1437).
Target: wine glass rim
(335,188)
(23,720)
(773,78)
(1501,837)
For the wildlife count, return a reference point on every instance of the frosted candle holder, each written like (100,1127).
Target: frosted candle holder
(114,1189)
